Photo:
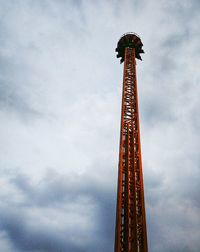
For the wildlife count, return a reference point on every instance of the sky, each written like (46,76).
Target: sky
(60,100)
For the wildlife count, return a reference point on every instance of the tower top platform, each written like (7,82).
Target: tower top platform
(131,40)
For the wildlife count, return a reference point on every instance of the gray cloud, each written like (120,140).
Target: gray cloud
(58,70)
(30,232)
(26,238)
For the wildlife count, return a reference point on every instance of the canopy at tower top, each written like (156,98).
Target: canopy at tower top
(130,40)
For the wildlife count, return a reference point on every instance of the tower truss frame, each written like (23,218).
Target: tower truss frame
(130,232)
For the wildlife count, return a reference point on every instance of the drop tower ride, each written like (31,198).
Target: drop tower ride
(130,231)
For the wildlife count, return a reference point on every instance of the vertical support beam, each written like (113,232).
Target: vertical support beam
(130,233)
(119,231)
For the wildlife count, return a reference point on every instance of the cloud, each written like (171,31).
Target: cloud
(26,237)
(45,216)
(60,94)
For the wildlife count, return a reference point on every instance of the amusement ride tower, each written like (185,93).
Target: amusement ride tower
(130,232)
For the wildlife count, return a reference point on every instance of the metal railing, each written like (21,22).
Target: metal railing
(131,33)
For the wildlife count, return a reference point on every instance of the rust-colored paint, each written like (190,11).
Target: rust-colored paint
(130,232)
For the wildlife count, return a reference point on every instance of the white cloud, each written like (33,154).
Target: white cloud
(60,98)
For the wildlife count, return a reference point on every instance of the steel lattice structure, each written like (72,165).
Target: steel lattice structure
(130,233)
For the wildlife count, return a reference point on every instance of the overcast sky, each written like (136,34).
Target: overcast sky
(60,99)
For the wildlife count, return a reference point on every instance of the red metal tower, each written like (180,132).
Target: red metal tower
(130,232)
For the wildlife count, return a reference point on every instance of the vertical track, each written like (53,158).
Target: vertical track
(130,233)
